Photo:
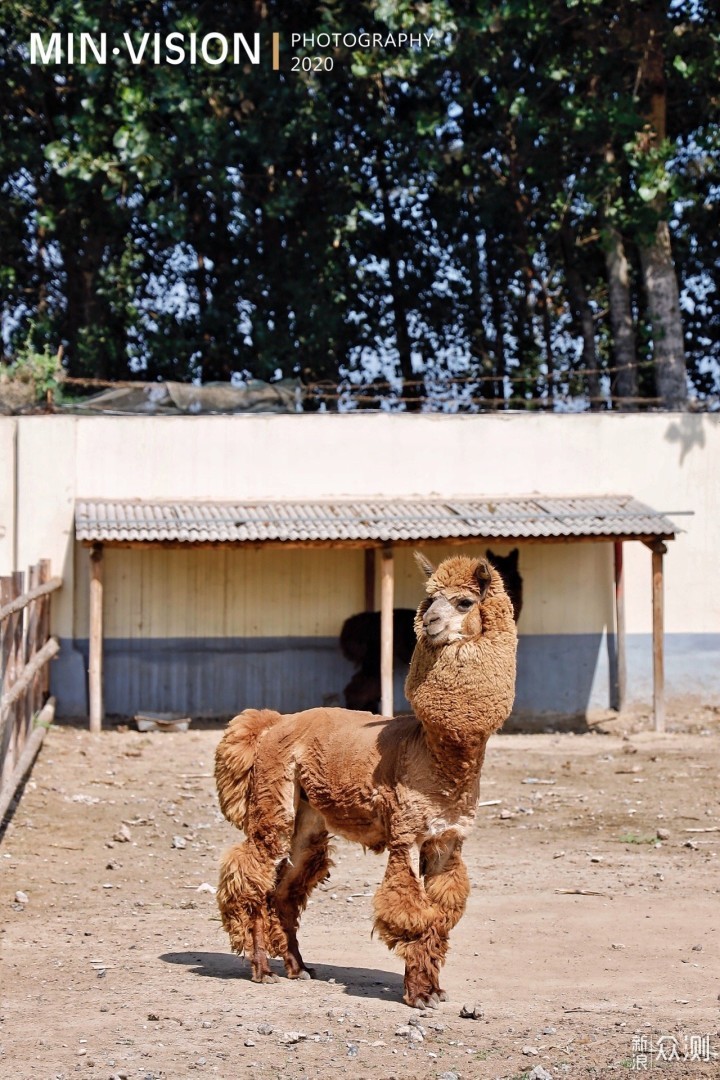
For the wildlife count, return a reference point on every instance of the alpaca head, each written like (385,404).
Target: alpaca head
(456,590)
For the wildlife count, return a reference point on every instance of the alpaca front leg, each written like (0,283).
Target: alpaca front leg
(423,959)
(447,886)
(405,920)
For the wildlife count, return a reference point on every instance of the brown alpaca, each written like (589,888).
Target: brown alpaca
(290,781)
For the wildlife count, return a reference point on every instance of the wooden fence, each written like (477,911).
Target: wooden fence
(25,649)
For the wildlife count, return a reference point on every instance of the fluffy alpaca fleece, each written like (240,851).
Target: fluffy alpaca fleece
(464,691)
(291,781)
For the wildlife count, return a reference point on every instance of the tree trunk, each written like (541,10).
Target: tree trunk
(583,316)
(544,308)
(526,332)
(40,257)
(277,351)
(85,312)
(410,391)
(496,308)
(658,270)
(624,383)
(663,298)
(480,358)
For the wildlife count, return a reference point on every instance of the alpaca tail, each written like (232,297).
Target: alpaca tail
(234,760)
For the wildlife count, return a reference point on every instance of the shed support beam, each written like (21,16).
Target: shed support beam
(387,601)
(658,613)
(620,688)
(369,579)
(95,665)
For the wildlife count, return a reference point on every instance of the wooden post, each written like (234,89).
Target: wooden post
(95,660)
(11,709)
(29,673)
(20,706)
(31,703)
(658,550)
(369,579)
(30,751)
(387,590)
(620,688)
(8,673)
(44,627)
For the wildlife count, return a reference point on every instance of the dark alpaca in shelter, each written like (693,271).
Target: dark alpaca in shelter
(507,567)
(360,637)
(360,643)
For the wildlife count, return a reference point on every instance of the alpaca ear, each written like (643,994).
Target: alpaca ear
(513,558)
(483,576)
(489,555)
(425,565)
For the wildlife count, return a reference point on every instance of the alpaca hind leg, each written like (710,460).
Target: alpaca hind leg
(245,881)
(250,872)
(405,920)
(261,971)
(447,886)
(309,863)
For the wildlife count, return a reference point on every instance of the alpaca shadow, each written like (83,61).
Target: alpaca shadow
(357,982)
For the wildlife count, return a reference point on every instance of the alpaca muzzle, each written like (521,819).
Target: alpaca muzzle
(442,623)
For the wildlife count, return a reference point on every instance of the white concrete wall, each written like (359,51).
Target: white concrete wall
(8,431)
(46,486)
(670,461)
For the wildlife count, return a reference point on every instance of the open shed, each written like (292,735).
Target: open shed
(373,526)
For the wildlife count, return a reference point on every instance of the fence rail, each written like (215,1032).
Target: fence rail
(26,647)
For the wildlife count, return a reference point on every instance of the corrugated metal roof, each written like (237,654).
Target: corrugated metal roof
(535,516)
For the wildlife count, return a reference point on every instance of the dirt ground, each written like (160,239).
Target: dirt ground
(590,946)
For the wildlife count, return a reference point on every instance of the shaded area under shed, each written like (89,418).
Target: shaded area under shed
(379,524)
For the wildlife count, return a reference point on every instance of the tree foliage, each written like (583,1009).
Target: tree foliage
(498,219)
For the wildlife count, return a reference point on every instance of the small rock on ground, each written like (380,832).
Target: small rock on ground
(410,1032)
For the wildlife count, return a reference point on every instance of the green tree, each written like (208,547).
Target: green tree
(522,215)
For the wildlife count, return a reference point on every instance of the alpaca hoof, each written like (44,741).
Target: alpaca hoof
(266,978)
(441,995)
(424,1001)
(303,973)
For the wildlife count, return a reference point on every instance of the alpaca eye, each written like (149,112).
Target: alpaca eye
(464,605)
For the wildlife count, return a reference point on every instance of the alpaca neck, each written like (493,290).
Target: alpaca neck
(461,693)
(457,748)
